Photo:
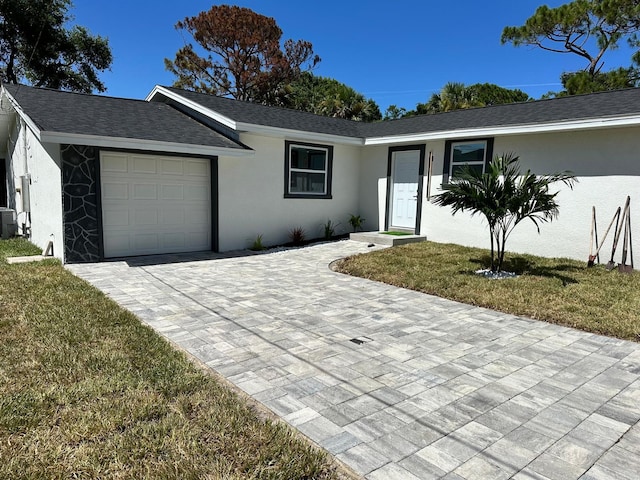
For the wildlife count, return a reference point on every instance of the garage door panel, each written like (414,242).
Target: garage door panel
(172,192)
(146,242)
(116,242)
(196,168)
(197,240)
(145,217)
(116,218)
(115,190)
(114,163)
(173,167)
(195,193)
(197,216)
(143,165)
(174,240)
(173,216)
(145,191)
(151,206)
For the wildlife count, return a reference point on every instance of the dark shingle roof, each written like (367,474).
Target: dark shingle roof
(578,107)
(82,114)
(73,113)
(256,114)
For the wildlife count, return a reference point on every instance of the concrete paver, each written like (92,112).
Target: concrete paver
(395,383)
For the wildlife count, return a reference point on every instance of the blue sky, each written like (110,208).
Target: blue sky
(396,52)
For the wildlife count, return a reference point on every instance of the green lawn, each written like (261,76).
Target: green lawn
(556,290)
(87,391)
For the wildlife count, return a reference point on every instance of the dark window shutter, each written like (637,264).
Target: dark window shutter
(488,153)
(447,162)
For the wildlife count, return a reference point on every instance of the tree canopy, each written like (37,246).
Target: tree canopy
(492,94)
(586,28)
(244,57)
(578,83)
(393,112)
(453,96)
(329,97)
(36,47)
(458,96)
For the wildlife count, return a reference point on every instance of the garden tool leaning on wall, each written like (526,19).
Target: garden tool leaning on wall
(611,264)
(593,256)
(626,243)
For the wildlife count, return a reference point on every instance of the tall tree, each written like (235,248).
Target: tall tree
(393,112)
(570,28)
(458,96)
(492,94)
(453,96)
(577,83)
(36,47)
(244,57)
(504,196)
(327,96)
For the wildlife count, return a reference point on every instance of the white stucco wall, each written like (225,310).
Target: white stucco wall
(606,162)
(373,186)
(251,195)
(42,162)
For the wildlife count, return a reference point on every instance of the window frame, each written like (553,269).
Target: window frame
(288,170)
(448,156)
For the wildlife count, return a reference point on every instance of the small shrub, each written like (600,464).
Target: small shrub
(257,244)
(330,229)
(297,235)
(356,222)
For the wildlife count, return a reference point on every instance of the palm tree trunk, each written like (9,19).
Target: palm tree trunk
(491,234)
(501,252)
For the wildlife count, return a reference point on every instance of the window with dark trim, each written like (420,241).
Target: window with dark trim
(307,170)
(475,153)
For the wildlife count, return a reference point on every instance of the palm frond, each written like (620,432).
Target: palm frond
(504,196)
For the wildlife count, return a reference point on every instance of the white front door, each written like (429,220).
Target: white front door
(405,169)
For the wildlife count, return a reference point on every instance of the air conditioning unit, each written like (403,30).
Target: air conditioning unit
(8,225)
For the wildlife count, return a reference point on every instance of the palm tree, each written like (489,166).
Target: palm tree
(453,96)
(505,197)
(345,102)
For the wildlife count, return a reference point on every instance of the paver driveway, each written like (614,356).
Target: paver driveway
(431,389)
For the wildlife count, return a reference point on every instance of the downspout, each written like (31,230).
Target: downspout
(25,182)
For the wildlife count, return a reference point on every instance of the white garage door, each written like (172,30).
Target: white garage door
(154,204)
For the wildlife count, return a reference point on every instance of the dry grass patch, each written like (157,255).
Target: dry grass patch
(556,290)
(87,391)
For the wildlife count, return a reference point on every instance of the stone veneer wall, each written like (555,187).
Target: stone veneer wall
(80,203)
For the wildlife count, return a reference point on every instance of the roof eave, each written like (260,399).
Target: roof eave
(523,129)
(159,90)
(298,134)
(21,113)
(142,144)
(195,106)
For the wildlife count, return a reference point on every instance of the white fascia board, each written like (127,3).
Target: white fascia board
(27,120)
(298,134)
(226,121)
(140,144)
(509,130)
